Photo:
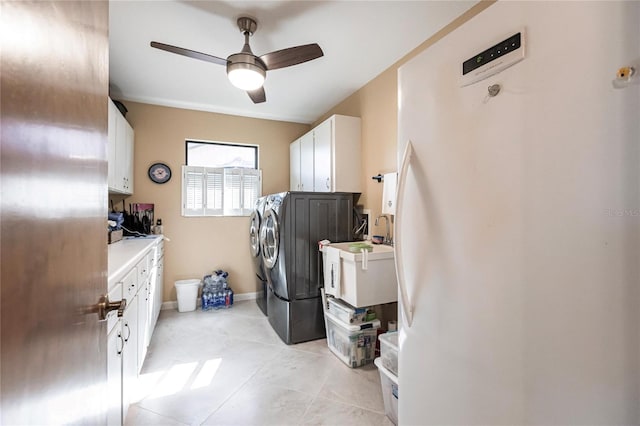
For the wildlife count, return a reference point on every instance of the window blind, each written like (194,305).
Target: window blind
(218,191)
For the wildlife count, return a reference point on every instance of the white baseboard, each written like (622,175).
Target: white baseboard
(247,296)
(173,304)
(169,305)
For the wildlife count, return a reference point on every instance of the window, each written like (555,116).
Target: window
(220,179)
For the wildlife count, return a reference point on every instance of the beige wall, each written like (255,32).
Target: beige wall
(200,245)
(376,103)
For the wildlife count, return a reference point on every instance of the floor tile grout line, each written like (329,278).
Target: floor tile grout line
(319,395)
(236,391)
(158,414)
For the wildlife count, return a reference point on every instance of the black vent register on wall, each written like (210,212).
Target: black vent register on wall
(492,53)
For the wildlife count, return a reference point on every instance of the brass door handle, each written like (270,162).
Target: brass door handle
(104,307)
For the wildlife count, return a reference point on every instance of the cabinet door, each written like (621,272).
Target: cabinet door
(158,291)
(129,355)
(143,323)
(322,156)
(151,304)
(115,345)
(121,134)
(111,147)
(346,154)
(306,162)
(130,285)
(124,156)
(294,166)
(128,157)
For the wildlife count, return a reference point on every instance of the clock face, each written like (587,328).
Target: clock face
(159,173)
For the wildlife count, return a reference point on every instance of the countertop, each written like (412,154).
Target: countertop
(124,255)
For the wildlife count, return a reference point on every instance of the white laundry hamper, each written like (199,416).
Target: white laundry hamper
(187,293)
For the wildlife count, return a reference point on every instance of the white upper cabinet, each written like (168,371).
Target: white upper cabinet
(306,162)
(294,165)
(322,158)
(120,152)
(328,158)
(111,148)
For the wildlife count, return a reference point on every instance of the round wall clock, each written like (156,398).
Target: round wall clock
(159,173)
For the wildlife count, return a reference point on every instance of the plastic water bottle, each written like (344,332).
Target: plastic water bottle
(219,300)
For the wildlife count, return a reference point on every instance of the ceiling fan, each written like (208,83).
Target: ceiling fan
(246,70)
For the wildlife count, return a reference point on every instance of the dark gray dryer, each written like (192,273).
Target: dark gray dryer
(292,225)
(255,222)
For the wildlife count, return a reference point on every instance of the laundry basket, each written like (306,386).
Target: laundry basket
(187,292)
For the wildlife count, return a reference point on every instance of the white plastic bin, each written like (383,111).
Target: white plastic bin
(361,283)
(355,345)
(389,351)
(187,292)
(347,313)
(389,384)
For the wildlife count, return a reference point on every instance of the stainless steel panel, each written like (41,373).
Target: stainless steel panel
(53,134)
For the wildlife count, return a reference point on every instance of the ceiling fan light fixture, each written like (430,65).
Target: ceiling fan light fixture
(246,76)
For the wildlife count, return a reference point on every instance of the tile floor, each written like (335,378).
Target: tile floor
(229,367)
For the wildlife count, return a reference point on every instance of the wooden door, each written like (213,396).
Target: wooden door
(53,139)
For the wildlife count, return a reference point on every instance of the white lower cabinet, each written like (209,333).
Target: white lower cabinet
(128,337)
(129,355)
(157,293)
(115,344)
(144,334)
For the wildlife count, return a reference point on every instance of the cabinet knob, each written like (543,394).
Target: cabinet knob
(389,203)
(328,186)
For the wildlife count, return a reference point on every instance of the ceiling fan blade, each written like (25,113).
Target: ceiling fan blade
(189,53)
(291,56)
(257,96)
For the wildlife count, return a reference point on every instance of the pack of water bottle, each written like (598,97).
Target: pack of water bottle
(216,293)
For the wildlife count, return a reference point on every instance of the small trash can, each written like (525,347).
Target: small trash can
(187,292)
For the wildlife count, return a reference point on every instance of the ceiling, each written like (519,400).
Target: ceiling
(360,39)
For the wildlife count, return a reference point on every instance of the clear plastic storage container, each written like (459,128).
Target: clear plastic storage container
(389,351)
(355,345)
(345,312)
(389,383)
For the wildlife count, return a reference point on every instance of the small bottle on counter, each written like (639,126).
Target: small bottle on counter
(158,228)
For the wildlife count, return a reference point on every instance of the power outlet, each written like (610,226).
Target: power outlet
(367,214)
